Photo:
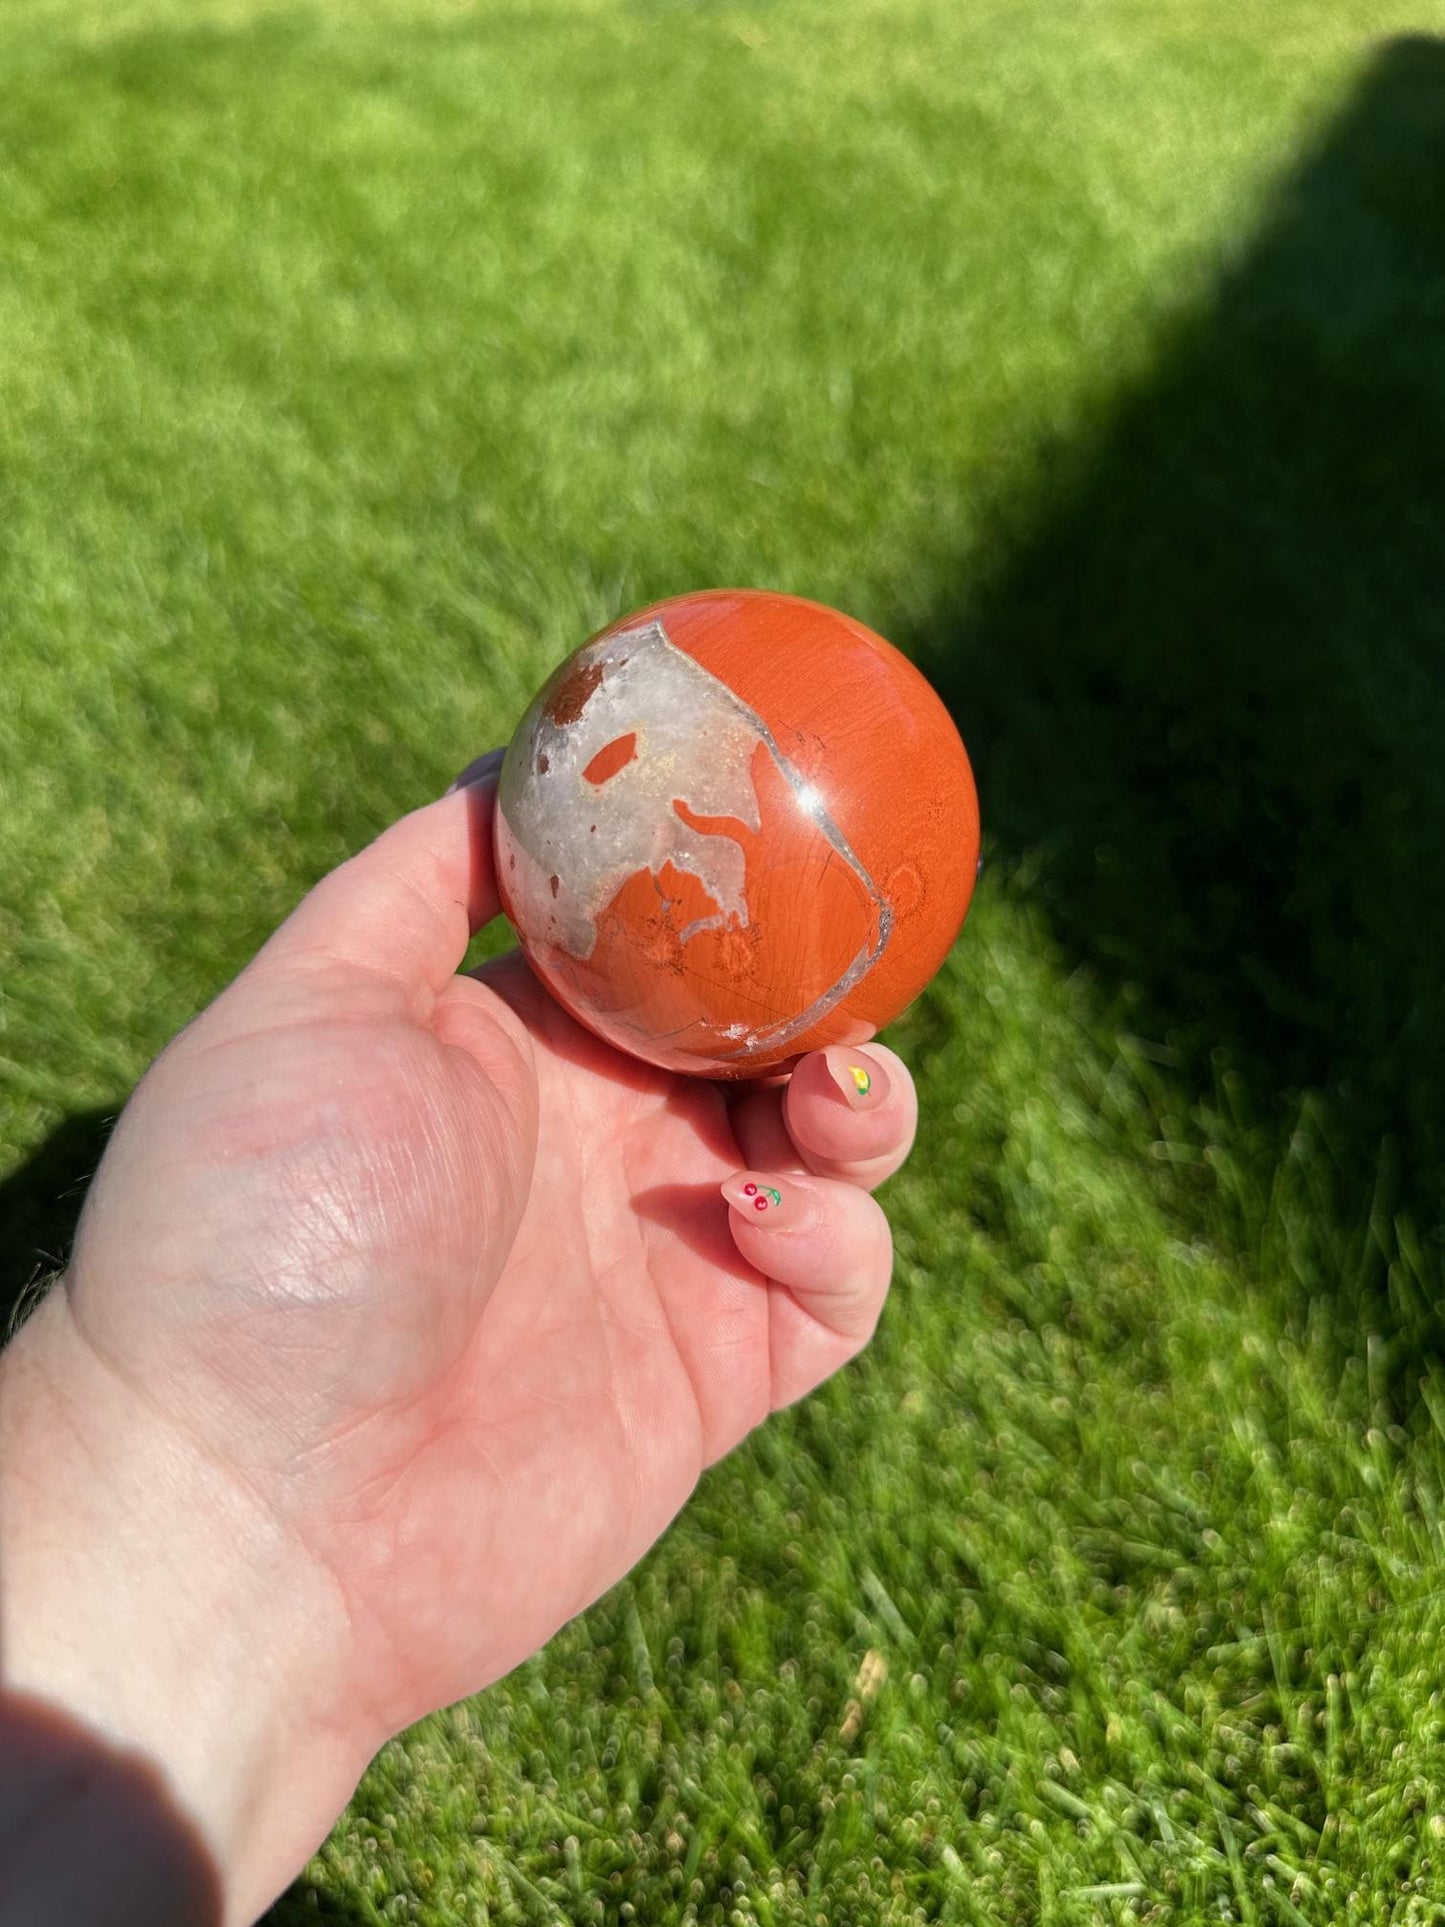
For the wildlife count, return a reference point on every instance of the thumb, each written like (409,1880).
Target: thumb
(403,910)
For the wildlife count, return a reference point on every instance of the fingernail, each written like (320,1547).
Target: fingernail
(776,1202)
(475,771)
(861,1081)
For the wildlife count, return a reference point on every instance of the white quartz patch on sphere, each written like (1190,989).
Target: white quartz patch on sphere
(694,745)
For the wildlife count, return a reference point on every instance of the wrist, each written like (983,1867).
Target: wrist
(151,1602)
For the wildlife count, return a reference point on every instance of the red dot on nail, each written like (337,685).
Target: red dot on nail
(760,1204)
(750,1190)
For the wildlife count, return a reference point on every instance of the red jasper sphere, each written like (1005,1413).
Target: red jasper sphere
(735,827)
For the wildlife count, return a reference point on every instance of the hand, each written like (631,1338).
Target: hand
(404,1315)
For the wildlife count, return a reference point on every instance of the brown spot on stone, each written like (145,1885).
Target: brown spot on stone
(544,762)
(555,883)
(612,757)
(573,692)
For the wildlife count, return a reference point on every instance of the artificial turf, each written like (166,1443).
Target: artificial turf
(357,360)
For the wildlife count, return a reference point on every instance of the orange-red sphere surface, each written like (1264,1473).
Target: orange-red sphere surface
(735,827)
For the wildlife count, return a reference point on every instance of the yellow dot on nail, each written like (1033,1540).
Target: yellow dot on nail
(861,1079)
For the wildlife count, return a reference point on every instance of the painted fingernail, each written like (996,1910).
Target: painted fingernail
(861,1081)
(769,1200)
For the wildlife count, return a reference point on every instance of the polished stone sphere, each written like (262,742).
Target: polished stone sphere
(735,827)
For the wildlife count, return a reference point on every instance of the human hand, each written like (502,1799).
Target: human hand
(403,1316)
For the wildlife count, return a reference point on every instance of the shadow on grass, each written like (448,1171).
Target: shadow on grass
(40,1203)
(1208,688)
(304,1904)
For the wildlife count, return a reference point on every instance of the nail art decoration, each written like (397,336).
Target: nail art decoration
(861,1082)
(784,1204)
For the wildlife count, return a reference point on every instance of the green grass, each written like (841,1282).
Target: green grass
(356,360)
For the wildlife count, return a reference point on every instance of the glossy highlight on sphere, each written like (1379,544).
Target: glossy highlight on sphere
(735,827)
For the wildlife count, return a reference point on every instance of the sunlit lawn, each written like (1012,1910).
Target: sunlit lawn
(357,360)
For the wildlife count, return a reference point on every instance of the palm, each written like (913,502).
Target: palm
(475,1319)
(624,1344)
